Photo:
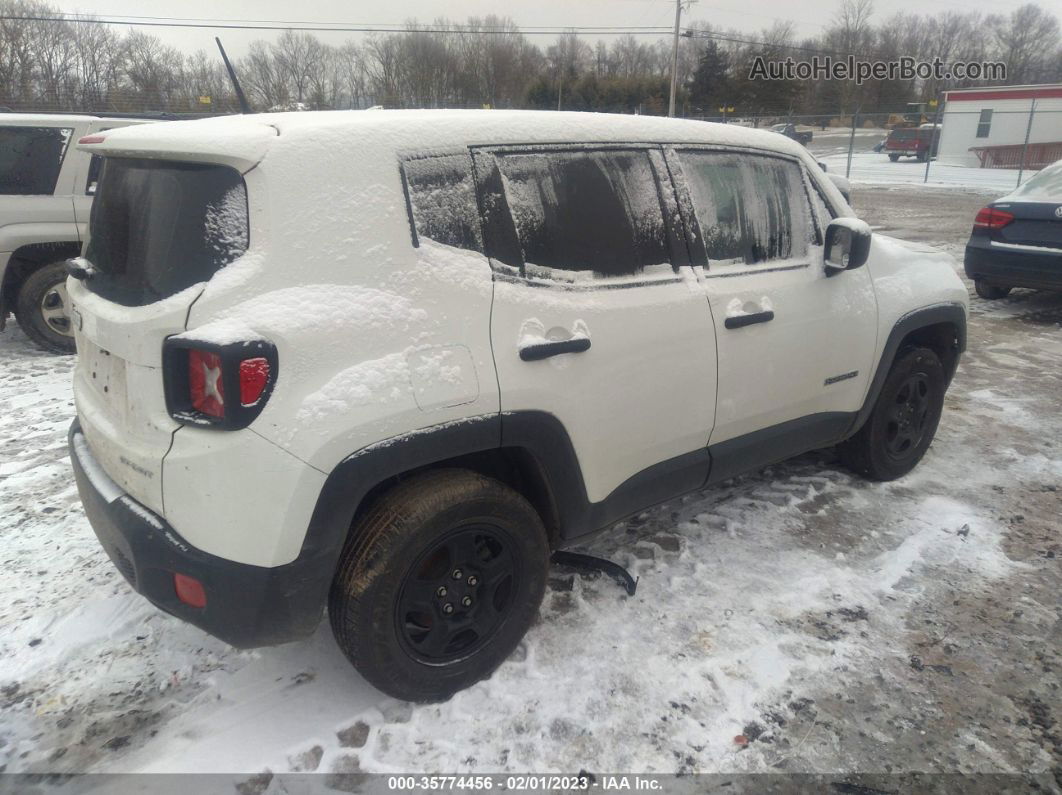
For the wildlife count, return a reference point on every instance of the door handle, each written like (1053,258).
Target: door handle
(543,350)
(740,321)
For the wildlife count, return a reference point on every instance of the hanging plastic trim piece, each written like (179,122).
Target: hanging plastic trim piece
(590,563)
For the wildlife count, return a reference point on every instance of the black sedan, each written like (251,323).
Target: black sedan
(1017,240)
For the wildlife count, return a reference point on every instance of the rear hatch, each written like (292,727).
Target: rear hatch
(159,229)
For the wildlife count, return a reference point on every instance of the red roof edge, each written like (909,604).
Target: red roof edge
(992,92)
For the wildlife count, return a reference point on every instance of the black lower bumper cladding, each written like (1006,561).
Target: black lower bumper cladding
(247,606)
(1014,268)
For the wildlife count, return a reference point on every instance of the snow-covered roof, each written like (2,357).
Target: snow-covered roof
(244,140)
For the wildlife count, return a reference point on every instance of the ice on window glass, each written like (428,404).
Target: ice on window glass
(750,209)
(442,194)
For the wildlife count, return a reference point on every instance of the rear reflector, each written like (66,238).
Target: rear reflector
(91,139)
(254,375)
(205,383)
(189,590)
(991,218)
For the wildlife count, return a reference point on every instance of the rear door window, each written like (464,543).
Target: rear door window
(30,159)
(158,227)
(750,208)
(586,214)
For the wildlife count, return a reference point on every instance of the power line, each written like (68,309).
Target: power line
(163,22)
(705,34)
(74,16)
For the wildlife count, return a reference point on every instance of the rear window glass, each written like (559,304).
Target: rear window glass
(30,159)
(158,227)
(586,212)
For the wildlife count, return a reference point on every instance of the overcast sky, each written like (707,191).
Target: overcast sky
(809,16)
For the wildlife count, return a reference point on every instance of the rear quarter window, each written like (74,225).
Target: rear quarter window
(442,200)
(30,159)
(158,227)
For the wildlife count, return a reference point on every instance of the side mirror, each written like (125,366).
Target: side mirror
(823,166)
(847,245)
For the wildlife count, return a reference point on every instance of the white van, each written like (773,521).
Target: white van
(388,362)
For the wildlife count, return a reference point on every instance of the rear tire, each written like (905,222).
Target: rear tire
(438,584)
(990,292)
(904,420)
(42,309)
(894,158)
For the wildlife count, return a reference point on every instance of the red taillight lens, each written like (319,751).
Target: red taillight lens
(90,139)
(218,386)
(189,590)
(205,383)
(254,375)
(991,218)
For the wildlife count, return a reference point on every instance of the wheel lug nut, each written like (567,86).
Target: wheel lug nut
(467,601)
(448,608)
(457,574)
(441,592)
(473,580)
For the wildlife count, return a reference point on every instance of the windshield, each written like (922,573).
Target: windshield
(30,159)
(158,227)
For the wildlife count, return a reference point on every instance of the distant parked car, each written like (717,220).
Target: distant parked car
(46,190)
(1017,240)
(790,131)
(917,142)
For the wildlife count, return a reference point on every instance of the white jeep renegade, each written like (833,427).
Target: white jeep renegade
(387,362)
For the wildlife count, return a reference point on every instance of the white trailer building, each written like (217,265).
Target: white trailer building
(987,126)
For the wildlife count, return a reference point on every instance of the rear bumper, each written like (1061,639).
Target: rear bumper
(1010,268)
(247,606)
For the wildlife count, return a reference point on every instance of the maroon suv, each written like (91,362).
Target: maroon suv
(917,142)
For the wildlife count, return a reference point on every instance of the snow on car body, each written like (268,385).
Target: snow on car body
(578,315)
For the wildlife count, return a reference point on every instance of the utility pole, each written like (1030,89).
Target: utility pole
(674,52)
(1025,146)
(674,59)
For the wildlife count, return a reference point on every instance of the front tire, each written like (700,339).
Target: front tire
(42,309)
(894,158)
(904,420)
(440,580)
(990,292)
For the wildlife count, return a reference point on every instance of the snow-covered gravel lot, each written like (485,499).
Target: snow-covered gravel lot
(840,626)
